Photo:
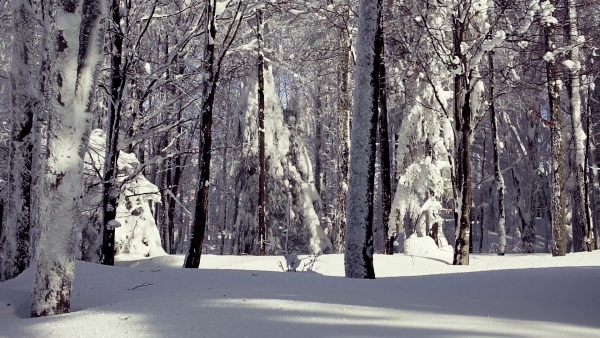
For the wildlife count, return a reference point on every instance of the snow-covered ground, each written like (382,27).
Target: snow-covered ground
(244,296)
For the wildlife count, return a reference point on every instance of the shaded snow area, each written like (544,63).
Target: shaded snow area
(245,296)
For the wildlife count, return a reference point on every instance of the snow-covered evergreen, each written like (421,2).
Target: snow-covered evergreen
(289,178)
(137,232)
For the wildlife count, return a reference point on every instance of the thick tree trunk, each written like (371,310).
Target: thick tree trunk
(74,47)
(262,225)
(15,241)
(358,257)
(559,232)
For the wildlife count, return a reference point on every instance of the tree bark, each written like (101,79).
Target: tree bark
(559,232)
(192,259)
(582,226)
(462,117)
(74,51)
(498,179)
(384,153)
(15,241)
(344,134)
(262,226)
(110,185)
(358,257)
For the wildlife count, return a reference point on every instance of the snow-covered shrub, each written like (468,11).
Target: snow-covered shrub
(419,246)
(138,233)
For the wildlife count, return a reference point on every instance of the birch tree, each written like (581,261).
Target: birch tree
(582,222)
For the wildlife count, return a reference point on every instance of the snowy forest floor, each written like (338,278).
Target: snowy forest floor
(244,296)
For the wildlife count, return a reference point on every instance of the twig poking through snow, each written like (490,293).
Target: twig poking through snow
(141,285)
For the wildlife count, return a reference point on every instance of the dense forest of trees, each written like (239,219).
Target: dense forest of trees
(274,127)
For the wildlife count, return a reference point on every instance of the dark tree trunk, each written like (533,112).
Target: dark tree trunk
(559,232)
(462,186)
(110,185)
(461,251)
(339,234)
(384,151)
(192,259)
(498,179)
(262,226)
(167,206)
(178,171)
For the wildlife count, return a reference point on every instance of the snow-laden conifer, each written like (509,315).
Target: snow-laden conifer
(289,177)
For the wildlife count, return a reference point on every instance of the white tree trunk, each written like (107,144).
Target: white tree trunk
(26,103)
(582,225)
(74,54)
(358,257)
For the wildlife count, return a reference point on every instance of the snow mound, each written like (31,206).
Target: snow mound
(419,246)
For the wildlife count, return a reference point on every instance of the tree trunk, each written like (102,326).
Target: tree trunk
(582,226)
(73,51)
(559,232)
(192,259)
(262,226)
(358,257)
(339,234)
(461,250)
(15,241)
(384,153)
(178,171)
(110,185)
(462,117)
(594,155)
(498,179)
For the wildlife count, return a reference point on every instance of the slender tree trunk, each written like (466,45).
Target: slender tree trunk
(559,232)
(461,251)
(110,185)
(344,135)
(15,241)
(262,226)
(192,259)
(172,199)
(358,257)
(167,222)
(582,227)
(74,51)
(498,179)
(594,129)
(384,146)
(589,183)
(462,186)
